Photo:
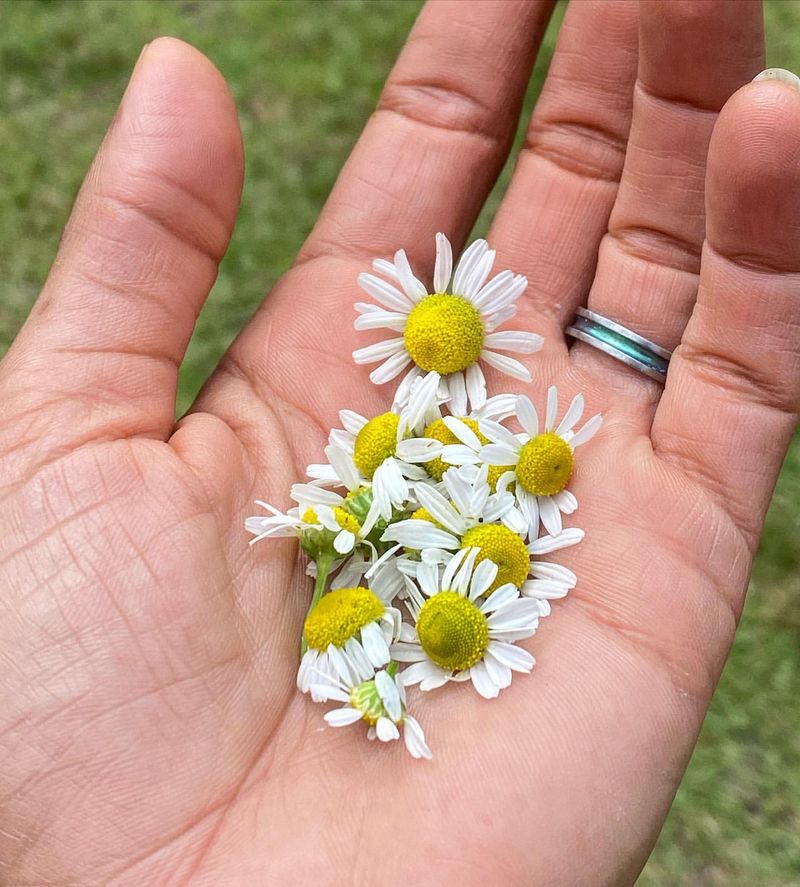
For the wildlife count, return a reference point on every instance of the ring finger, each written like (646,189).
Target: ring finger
(692,57)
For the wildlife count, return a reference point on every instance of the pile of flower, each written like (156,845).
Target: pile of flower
(425,527)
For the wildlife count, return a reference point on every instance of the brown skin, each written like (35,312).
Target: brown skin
(150,731)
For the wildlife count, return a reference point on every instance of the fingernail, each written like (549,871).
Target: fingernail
(780,74)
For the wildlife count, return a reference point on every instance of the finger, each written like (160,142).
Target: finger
(692,58)
(733,389)
(441,132)
(556,209)
(100,352)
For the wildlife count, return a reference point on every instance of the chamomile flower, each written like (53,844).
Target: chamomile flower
(382,453)
(359,622)
(380,701)
(449,330)
(462,635)
(538,464)
(468,505)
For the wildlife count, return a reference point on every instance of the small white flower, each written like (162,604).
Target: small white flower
(380,701)
(460,635)
(449,330)
(357,622)
(539,463)
(383,453)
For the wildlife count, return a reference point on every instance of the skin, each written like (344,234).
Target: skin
(150,730)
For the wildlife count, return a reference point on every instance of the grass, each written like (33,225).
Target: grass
(305,76)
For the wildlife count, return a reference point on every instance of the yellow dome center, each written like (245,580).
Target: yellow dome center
(503,547)
(310,516)
(545,464)
(452,631)
(444,333)
(340,615)
(376,441)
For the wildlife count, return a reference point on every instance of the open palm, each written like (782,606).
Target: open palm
(150,730)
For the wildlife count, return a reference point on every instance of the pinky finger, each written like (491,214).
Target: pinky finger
(733,391)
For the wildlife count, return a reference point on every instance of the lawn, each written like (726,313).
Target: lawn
(305,76)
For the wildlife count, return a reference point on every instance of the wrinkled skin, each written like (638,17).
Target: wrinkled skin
(150,731)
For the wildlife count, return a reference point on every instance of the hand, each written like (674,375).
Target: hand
(150,729)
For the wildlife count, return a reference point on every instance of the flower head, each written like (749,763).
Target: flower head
(460,634)
(450,330)
(379,700)
(538,461)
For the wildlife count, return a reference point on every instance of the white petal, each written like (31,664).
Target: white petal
(469,259)
(514,340)
(379,351)
(556,572)
(419,534)
(386,731)
(550,515)
(344,542)
(383,292)
(381,320)
(502,302)
(476,386)
(527,415)
(566,538)
(498,599)
(458,454)
(419,449)
(308,494)
(342,717)
(414,739)
(496,287)
(514,657)
(566,501)
(587,432)
(404,388)
(389,694)
(414,289)
(499,673)
(344,466)
(441,510)
(328,691)
(485,573)
(482,682)
(572,415)
(495,454)
(545,589)
(552,408)
(501,406)
(457,391)
(522,613)
(475,280)
(506,365)
(424,670)
(443,269)
(390,368)
(499,434)
(463,432)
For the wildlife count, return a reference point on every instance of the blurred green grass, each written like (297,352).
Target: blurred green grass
(305,76)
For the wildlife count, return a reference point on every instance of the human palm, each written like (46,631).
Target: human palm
(150,729)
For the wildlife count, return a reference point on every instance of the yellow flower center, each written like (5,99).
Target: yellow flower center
(444,333)
(376,441)
(346,521)
(452,631)
(502,546)
(545,464)
(340,615)
(310,516)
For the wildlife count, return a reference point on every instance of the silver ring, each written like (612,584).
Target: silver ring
(620,342)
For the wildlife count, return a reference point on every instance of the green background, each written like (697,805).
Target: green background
(305,76)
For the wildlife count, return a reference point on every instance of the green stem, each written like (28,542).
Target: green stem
(324,563)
